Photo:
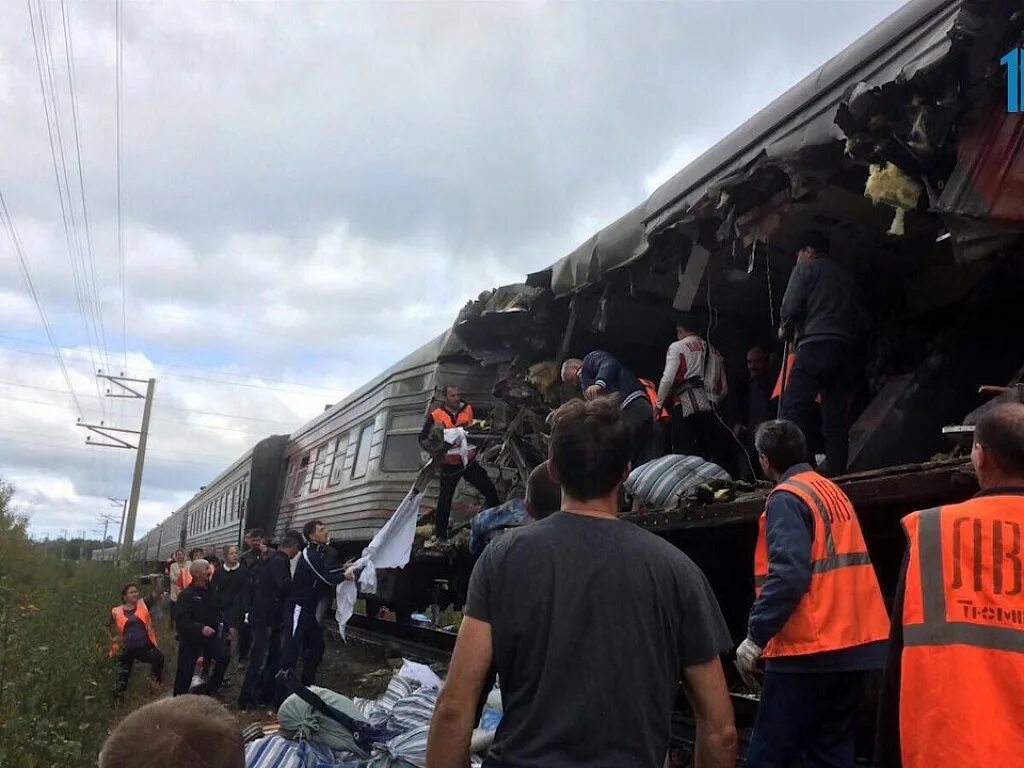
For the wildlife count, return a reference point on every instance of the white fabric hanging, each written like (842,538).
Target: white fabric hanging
(391,547)
(459,443)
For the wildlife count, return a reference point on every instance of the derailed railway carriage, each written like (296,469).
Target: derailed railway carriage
(899,148)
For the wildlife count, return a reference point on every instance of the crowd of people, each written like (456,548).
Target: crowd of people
(589,622)
(260,609)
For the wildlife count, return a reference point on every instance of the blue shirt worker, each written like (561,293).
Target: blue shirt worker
(599,374)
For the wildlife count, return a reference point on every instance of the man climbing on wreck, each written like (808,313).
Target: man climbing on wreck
(819,312)
(458,456)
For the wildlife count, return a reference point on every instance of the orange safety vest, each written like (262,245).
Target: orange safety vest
(962,669)
(121,621)
(463,418)
(661,414)
(784,375)
(843,606)
(185,574)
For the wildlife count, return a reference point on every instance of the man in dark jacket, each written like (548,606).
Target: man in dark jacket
(230,589)
(249,559)
(819,313)
(316,577)
(272,585)
(599,374)
(201,627)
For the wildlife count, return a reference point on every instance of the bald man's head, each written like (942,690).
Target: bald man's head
(998,452)
(200,571)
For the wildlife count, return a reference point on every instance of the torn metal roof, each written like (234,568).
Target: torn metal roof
(913,39)
(620,243)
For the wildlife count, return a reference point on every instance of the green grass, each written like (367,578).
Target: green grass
(56,680)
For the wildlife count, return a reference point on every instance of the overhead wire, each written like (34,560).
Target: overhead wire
(70,56)
(51,113)
(26,274)
(119,69)
(196,373)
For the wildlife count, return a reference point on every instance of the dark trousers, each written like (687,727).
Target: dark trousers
(473,474)
(244,641)
(639,418)
(702,434)
(214,651)
(126,660)
(808,713)
(303,639)
(822,367)
(264,661)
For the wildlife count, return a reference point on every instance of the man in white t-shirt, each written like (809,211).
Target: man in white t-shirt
(692,385)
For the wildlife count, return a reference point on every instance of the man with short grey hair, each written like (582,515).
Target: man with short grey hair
(200,624)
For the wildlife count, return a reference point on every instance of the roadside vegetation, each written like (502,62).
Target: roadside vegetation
(56,679)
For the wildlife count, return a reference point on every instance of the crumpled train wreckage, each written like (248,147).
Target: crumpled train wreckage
(900,149)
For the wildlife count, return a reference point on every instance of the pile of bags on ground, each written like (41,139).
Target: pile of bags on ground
(320,728)
(672,481)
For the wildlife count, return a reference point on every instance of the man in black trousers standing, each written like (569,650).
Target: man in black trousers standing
(272,585)
(201,627)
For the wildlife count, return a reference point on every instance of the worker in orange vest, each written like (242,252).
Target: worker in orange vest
(179,578)
(457,462)
(956,657)
(818,621)
(135,639)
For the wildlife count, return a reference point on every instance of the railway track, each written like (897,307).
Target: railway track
(414,643)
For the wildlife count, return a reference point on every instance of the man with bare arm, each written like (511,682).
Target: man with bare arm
(590,621)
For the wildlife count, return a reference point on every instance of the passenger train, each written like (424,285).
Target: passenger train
(350,466)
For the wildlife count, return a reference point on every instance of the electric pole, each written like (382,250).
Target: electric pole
(125,389)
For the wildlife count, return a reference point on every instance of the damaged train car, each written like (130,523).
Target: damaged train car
(901,150)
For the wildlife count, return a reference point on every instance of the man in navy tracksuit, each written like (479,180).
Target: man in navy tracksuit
(270,591)
(599,374)
(317,574)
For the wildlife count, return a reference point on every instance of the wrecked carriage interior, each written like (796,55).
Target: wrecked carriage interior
(901,151)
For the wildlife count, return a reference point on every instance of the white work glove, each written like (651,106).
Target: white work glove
(747,656)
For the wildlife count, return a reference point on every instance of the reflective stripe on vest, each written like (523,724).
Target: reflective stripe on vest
(121,621)
(843,605)
(963,634)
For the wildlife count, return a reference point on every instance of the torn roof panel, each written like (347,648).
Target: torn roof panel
(913,38)
(620,243)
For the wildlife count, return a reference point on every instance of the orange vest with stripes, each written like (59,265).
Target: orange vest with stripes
(962,669)
(463,418)
(121,621)
(843,605)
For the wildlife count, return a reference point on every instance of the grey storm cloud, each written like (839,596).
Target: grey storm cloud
(311,190)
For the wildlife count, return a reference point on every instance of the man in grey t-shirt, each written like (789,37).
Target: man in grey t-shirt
(591,622)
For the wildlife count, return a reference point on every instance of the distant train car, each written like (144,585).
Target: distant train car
(352,465)
(245,495)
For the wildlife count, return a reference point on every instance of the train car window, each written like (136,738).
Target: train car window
(317,475)
(411,386)
(401,442)
(363,451)
(338,460)
(301,476)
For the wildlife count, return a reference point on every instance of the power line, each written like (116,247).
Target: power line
(188,372)
(177,422)
(162,407)
(26,274)
(119,66)
(70,55)
(44,66)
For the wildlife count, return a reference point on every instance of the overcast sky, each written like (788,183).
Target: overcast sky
(312,190)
